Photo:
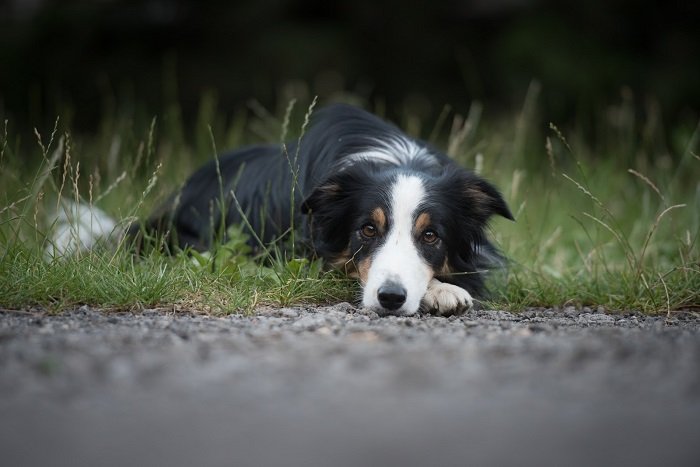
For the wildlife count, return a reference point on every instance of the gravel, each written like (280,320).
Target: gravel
(338,386)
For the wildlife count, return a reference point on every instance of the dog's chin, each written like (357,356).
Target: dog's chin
(381,311)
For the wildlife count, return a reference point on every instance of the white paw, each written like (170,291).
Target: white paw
(446,299)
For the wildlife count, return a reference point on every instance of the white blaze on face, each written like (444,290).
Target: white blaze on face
(398,260)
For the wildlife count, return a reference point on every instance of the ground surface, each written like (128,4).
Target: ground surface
(337,386)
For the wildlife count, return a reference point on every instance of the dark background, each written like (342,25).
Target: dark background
(408,56)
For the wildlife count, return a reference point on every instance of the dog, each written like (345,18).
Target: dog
(385,208)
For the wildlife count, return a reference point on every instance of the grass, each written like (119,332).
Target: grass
(612,220)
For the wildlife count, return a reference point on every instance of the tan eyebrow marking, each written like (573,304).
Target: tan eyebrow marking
(422,222)
(379,219)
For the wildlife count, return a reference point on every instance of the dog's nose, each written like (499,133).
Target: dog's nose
(391,296)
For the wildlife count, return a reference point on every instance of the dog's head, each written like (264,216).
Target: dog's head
(397,229)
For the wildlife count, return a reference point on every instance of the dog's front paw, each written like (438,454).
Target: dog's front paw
(446,299)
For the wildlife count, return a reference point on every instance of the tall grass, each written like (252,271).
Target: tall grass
(143,172)
(615,223)
(611,220)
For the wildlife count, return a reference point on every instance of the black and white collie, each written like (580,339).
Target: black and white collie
(391,211)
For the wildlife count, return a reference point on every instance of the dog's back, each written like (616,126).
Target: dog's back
(249,177)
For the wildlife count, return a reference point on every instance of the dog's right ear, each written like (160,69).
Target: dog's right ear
(330,207)
(324,195)
(334,196)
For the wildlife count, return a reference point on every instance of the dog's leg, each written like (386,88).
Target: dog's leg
(446,299)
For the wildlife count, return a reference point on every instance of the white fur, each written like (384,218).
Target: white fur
(398,259)
(395,151)
(77,227)
(446,298)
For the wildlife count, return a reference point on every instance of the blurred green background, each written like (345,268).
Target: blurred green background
(95,57)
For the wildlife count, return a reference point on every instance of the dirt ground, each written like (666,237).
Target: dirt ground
(337,386)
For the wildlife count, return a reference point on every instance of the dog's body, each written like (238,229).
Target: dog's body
(402,218)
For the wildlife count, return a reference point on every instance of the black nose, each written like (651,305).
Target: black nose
(391,295)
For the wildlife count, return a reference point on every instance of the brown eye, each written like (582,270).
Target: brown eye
(368,231)
(429,237)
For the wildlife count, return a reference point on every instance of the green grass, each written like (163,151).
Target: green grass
(611,220)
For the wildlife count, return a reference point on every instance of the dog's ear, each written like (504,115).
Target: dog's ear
(334,196)
(484,198)
(477,198)
(325,194)
(330,207)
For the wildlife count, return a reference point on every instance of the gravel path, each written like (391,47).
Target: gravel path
(337,386)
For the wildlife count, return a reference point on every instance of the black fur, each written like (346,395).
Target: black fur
(334,195)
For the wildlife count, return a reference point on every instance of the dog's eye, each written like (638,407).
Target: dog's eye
(368,231)
(429,237)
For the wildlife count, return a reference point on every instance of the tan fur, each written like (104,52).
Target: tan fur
(346,262)
(445,270)
(363,269)
(379,219)
(422,223)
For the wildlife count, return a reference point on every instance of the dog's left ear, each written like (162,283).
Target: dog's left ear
(484,198)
